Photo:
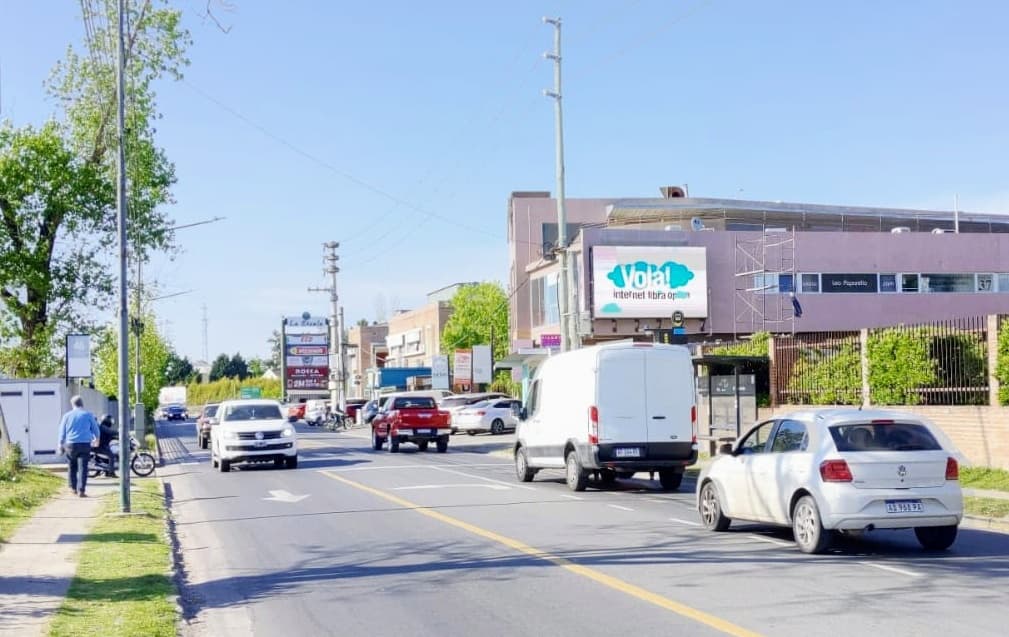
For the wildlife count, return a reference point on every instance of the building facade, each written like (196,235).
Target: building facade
(366,350)
(414,336)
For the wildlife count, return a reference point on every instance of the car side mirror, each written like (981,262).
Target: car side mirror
(523,414)
(725,449)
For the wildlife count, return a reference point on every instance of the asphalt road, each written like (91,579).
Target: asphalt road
(358,542)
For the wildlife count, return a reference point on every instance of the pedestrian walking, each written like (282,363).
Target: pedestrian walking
(78,430)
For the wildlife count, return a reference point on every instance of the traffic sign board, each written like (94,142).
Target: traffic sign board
(250,392)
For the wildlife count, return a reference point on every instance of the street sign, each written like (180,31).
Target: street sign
(550,340)
(463,368)
(677,319)
(306,321)
(439,373)
(483,371)
(246,393)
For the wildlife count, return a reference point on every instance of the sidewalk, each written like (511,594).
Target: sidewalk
(986,493)
(39,562)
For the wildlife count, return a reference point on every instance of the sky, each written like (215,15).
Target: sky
(399,128)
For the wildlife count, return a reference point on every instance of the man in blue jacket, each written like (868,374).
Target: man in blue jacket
(77,429)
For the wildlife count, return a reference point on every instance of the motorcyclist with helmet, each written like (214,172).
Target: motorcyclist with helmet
(103,452)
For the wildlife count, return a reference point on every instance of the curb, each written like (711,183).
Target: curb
(998,525)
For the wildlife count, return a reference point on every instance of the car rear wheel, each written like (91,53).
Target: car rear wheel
(497,427)
(574,475)
(809,533)
(393,444)
(224,465)
(711,509)
(204,443)
(443,444)
(522,470)
(936,538)
(670,480)
(376,441)
(471,433)
(292,462)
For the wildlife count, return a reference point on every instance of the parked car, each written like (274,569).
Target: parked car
(610,410)
(415,419)
(296,412)
(353,406)
(175,412)
(205,422)
(495,416)
(370,410)
(252,431)
(315,412)
(453,404)
(822,471)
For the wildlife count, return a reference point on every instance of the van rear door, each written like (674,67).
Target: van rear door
(669,393)
(621,396)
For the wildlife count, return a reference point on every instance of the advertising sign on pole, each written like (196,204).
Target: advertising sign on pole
(649,281)
(483,371)
(78,356)
(463,367)
(439,373)
(306,321)
(550,341)
(308,339)
(306,354)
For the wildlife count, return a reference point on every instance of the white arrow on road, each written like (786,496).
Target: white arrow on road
(495,487)
(284,496)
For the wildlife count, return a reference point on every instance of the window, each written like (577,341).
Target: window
(534,397)
(810,283)
(1003,282)
(536,301)
(414,402)
(756,442)
(791,436)
(253,412)
(909,283)
(947,283)
(888,283)
(986,282)
(551,309)
(887,436)
(786,283)
(765,283)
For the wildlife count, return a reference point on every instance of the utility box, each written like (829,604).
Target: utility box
(32,412)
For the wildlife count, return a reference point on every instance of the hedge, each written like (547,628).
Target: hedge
(822,377)
(756,346)
(227,388)
(1002,364)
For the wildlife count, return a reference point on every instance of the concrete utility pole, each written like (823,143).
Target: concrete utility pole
(124,337)
(566,307)
(342,355)
(336,391)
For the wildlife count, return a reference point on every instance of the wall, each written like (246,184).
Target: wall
(431,320)
(360,358)
(980,433)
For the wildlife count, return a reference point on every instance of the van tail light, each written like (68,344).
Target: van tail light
(593,425)
(952,469)
(693,424)
(835,471)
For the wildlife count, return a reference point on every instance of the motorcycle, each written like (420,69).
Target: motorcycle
(141,462)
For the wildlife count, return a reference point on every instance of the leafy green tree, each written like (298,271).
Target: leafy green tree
(154,356)
(899,363)
(477,312)
(178,371)
(219,368)
(57,189)
(237,368)
(275,349)
(827,377)
(256,368)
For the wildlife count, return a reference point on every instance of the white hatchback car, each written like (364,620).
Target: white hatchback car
(821,471)
(495,416)
(253,431)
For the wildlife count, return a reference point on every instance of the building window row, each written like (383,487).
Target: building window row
(544,301)
(881,283)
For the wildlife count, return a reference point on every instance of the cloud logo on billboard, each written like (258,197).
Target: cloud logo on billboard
(611,308)
(642,275)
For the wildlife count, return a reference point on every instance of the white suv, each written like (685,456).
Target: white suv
(253,431)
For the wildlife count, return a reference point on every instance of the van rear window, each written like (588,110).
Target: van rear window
(897,436)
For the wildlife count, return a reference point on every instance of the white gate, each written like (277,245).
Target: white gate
(46,409)
(14,402)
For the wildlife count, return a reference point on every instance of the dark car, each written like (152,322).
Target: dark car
(176,412)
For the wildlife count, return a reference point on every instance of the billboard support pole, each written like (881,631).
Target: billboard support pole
(283,360)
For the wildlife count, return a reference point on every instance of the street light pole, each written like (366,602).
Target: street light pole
(124,342)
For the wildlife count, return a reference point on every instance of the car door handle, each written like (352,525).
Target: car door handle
(658,417)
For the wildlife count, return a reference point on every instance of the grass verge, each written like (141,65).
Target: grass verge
(981,478)
(21,493)
(123,581)
(986,507)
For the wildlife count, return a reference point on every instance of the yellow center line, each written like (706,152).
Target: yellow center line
(597,576)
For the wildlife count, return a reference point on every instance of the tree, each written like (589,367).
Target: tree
(275,349)
(362,322)
(57,212)
(237,368)
(219,369)
(256,367)
(178,371)
(478,312)
(154,355)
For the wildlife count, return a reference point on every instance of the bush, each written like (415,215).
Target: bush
(756,346)
(11,461)
(504,384)
(1002,365)
(960,361)
(827,377)
(229,388)
(899,363)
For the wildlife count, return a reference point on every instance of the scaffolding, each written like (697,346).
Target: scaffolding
(760,302)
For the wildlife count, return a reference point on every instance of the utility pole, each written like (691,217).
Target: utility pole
(342,355)
(138,330)
(124,338)
(568,335)
(206,354)
(330,259)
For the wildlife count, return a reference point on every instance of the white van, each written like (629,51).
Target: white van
(610,410)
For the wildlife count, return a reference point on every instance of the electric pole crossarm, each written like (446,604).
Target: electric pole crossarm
(337,396)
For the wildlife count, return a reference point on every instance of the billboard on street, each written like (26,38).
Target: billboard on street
(439,373)
(649,281)
(463,367)
(306,353)
(483,371)
(308,339)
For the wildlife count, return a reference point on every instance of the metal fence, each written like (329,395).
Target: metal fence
(937,363)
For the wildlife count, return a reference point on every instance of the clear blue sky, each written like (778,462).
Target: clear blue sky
(438,103)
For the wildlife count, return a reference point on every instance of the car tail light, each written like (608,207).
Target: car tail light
(481,413)
(952,469)
(693,424)
(593,425)
(835,471)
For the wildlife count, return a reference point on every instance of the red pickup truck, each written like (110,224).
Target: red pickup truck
(415,419)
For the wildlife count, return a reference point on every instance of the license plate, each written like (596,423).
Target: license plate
(904,506)
(260,443)
(627,452)
(424,432)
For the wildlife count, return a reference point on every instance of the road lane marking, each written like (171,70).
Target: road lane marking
(687,522)
(617,506)
(411,466)
(892,569)
(476,477)
(769,540)
(496,487)
(599,577)
(570,497)
(285,496)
